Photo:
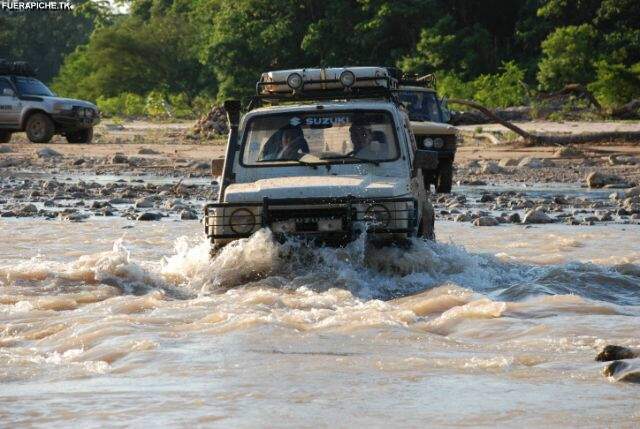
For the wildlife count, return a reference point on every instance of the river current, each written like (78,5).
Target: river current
(111,322)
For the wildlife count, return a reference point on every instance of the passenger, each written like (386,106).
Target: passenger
(284,144)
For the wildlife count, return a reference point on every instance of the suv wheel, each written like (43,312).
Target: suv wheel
(5,136)
(80,136)
(445,178)
(39,128)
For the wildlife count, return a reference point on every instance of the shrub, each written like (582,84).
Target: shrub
(501,90)
(616,84)
(125,104)
(453,86)
(111,106)
(133,104)
(179,106)
(156,106)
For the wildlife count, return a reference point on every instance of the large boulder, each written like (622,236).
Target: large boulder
(485,221)
(492,168)
(597,179)
(119,158)
(48,153)
(536,216)
(632,192)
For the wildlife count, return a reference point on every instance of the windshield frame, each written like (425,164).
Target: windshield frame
(338,161)
(24,94)
(435,97)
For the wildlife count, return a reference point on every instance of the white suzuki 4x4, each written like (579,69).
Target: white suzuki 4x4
(331,156)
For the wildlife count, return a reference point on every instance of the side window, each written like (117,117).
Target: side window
(4,83)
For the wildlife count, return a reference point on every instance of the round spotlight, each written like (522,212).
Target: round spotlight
(378,215)
(294,80)
(347,78)
(242,221)
(428,142)
(438,143)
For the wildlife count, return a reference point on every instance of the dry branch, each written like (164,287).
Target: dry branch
(547,139)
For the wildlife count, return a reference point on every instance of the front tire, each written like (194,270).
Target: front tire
(40,128)
(5,136)
(445,178)
(80,136)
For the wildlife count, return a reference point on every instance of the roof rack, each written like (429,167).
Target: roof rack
(16,68)
(324,84)
(428,81)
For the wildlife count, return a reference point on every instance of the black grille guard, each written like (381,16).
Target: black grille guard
(345,208)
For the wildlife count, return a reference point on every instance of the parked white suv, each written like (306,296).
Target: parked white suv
(26,104)
(332,157)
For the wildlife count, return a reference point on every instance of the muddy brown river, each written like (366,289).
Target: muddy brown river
(113,323)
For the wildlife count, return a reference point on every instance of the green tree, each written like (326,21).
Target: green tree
(568,56)
(44,38)
(136,56)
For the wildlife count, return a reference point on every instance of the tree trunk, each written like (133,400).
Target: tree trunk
(546,139)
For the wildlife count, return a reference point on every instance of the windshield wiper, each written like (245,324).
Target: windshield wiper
(299,161)
(355,158)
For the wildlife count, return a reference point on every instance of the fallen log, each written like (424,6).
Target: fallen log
(627,111)
(550,139)
(573,89)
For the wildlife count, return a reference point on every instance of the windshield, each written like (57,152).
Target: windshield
(31,86)
(422,105)
(320,137)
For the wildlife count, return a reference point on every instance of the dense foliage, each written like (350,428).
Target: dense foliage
(182,52)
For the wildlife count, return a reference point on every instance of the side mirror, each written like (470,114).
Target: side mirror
(444,106)
(425,159)
(8,92)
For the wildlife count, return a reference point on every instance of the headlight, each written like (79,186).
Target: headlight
(428,142)
(60,106)
(438,143)
(378,215)
(242,221)
(294,81)
(347,78)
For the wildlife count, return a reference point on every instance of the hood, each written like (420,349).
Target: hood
(318,187)
(432,128)
(73,101)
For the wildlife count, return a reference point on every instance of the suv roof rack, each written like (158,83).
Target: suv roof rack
(16,68)
(316,95)
(325,84)
(428,80)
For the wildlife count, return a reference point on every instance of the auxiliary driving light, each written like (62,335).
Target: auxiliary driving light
(438,143)
(294,80)
(378,215)
(242,221)
(347,78)
(428,142)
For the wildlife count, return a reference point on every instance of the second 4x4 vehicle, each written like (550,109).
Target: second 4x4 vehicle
(332,157)
(26,104)
(429,116)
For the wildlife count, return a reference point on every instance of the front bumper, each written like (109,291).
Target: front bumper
(74,119)
(324,219)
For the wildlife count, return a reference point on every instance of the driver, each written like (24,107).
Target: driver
(284,144)
(293,142)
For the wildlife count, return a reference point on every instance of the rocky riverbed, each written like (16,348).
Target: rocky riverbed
(150,183)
